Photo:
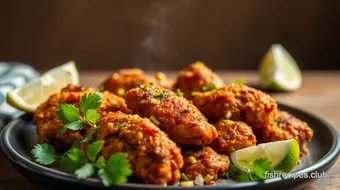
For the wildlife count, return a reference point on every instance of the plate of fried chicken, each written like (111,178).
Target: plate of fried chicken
(170,128)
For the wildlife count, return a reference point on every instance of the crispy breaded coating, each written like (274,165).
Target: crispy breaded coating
(125,79)
(177,117)
(153,157)
(285,127)
(48,123)
(239,103)
(160,79)
(205,162)
(232,136)
(194,78)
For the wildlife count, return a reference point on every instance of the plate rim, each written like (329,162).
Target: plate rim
(323,163)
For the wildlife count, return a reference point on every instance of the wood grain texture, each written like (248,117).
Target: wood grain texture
(319,95)
(168,34)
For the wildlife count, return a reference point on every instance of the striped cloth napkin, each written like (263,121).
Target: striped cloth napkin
(12,75)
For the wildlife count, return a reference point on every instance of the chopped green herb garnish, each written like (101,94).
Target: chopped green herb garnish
(121,92)
(195,93)
(154,120)
(200,62)
(208,87)
(160,94)
(145,88)
(184,177)
(238,81)
(179,92)
(121,125)
(75,160)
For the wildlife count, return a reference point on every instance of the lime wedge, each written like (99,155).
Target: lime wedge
(284,155)
(32,94)
(279,71)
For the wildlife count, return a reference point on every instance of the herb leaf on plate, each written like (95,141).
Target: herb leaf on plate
(90,101)
(84,171)
(116,170)
(93,149)
(44,154)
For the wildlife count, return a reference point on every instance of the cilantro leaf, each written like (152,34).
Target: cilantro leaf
(76,125)
(88,138)
(100,163)
(90,101)
(68,113)
(44,154)
(75,154)
(68,165)
(92,115)
(242,177)
(93,149)
(261,166)
(72,160)
(104,176)
(116,170)
(85,171)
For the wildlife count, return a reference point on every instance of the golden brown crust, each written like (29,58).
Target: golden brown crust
(162,80)
(285,127)
(194,77)
(154,158)
(178,117)
(125,79)
(130,78)
(48,124)
(206,161)
(239,103)
(232,136)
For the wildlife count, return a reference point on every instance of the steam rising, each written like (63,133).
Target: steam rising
(155,49)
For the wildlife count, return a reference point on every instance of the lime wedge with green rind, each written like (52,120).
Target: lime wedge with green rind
(283,155)
(279,71)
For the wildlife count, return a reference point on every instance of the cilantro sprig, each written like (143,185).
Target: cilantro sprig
(85,163)
(260,167)
(75,120)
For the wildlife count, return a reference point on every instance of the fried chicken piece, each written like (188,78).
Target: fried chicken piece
(238,103)
(153,157)
(125,79)
(175,115)
(285,127)
(162,80)
(196,77)
(205,162)
(48,122)
(232,136)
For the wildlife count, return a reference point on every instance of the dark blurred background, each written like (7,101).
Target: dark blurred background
(168,34)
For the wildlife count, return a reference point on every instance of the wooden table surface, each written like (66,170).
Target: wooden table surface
(320,94)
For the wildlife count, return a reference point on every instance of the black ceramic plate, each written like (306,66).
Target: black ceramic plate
(18,138)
